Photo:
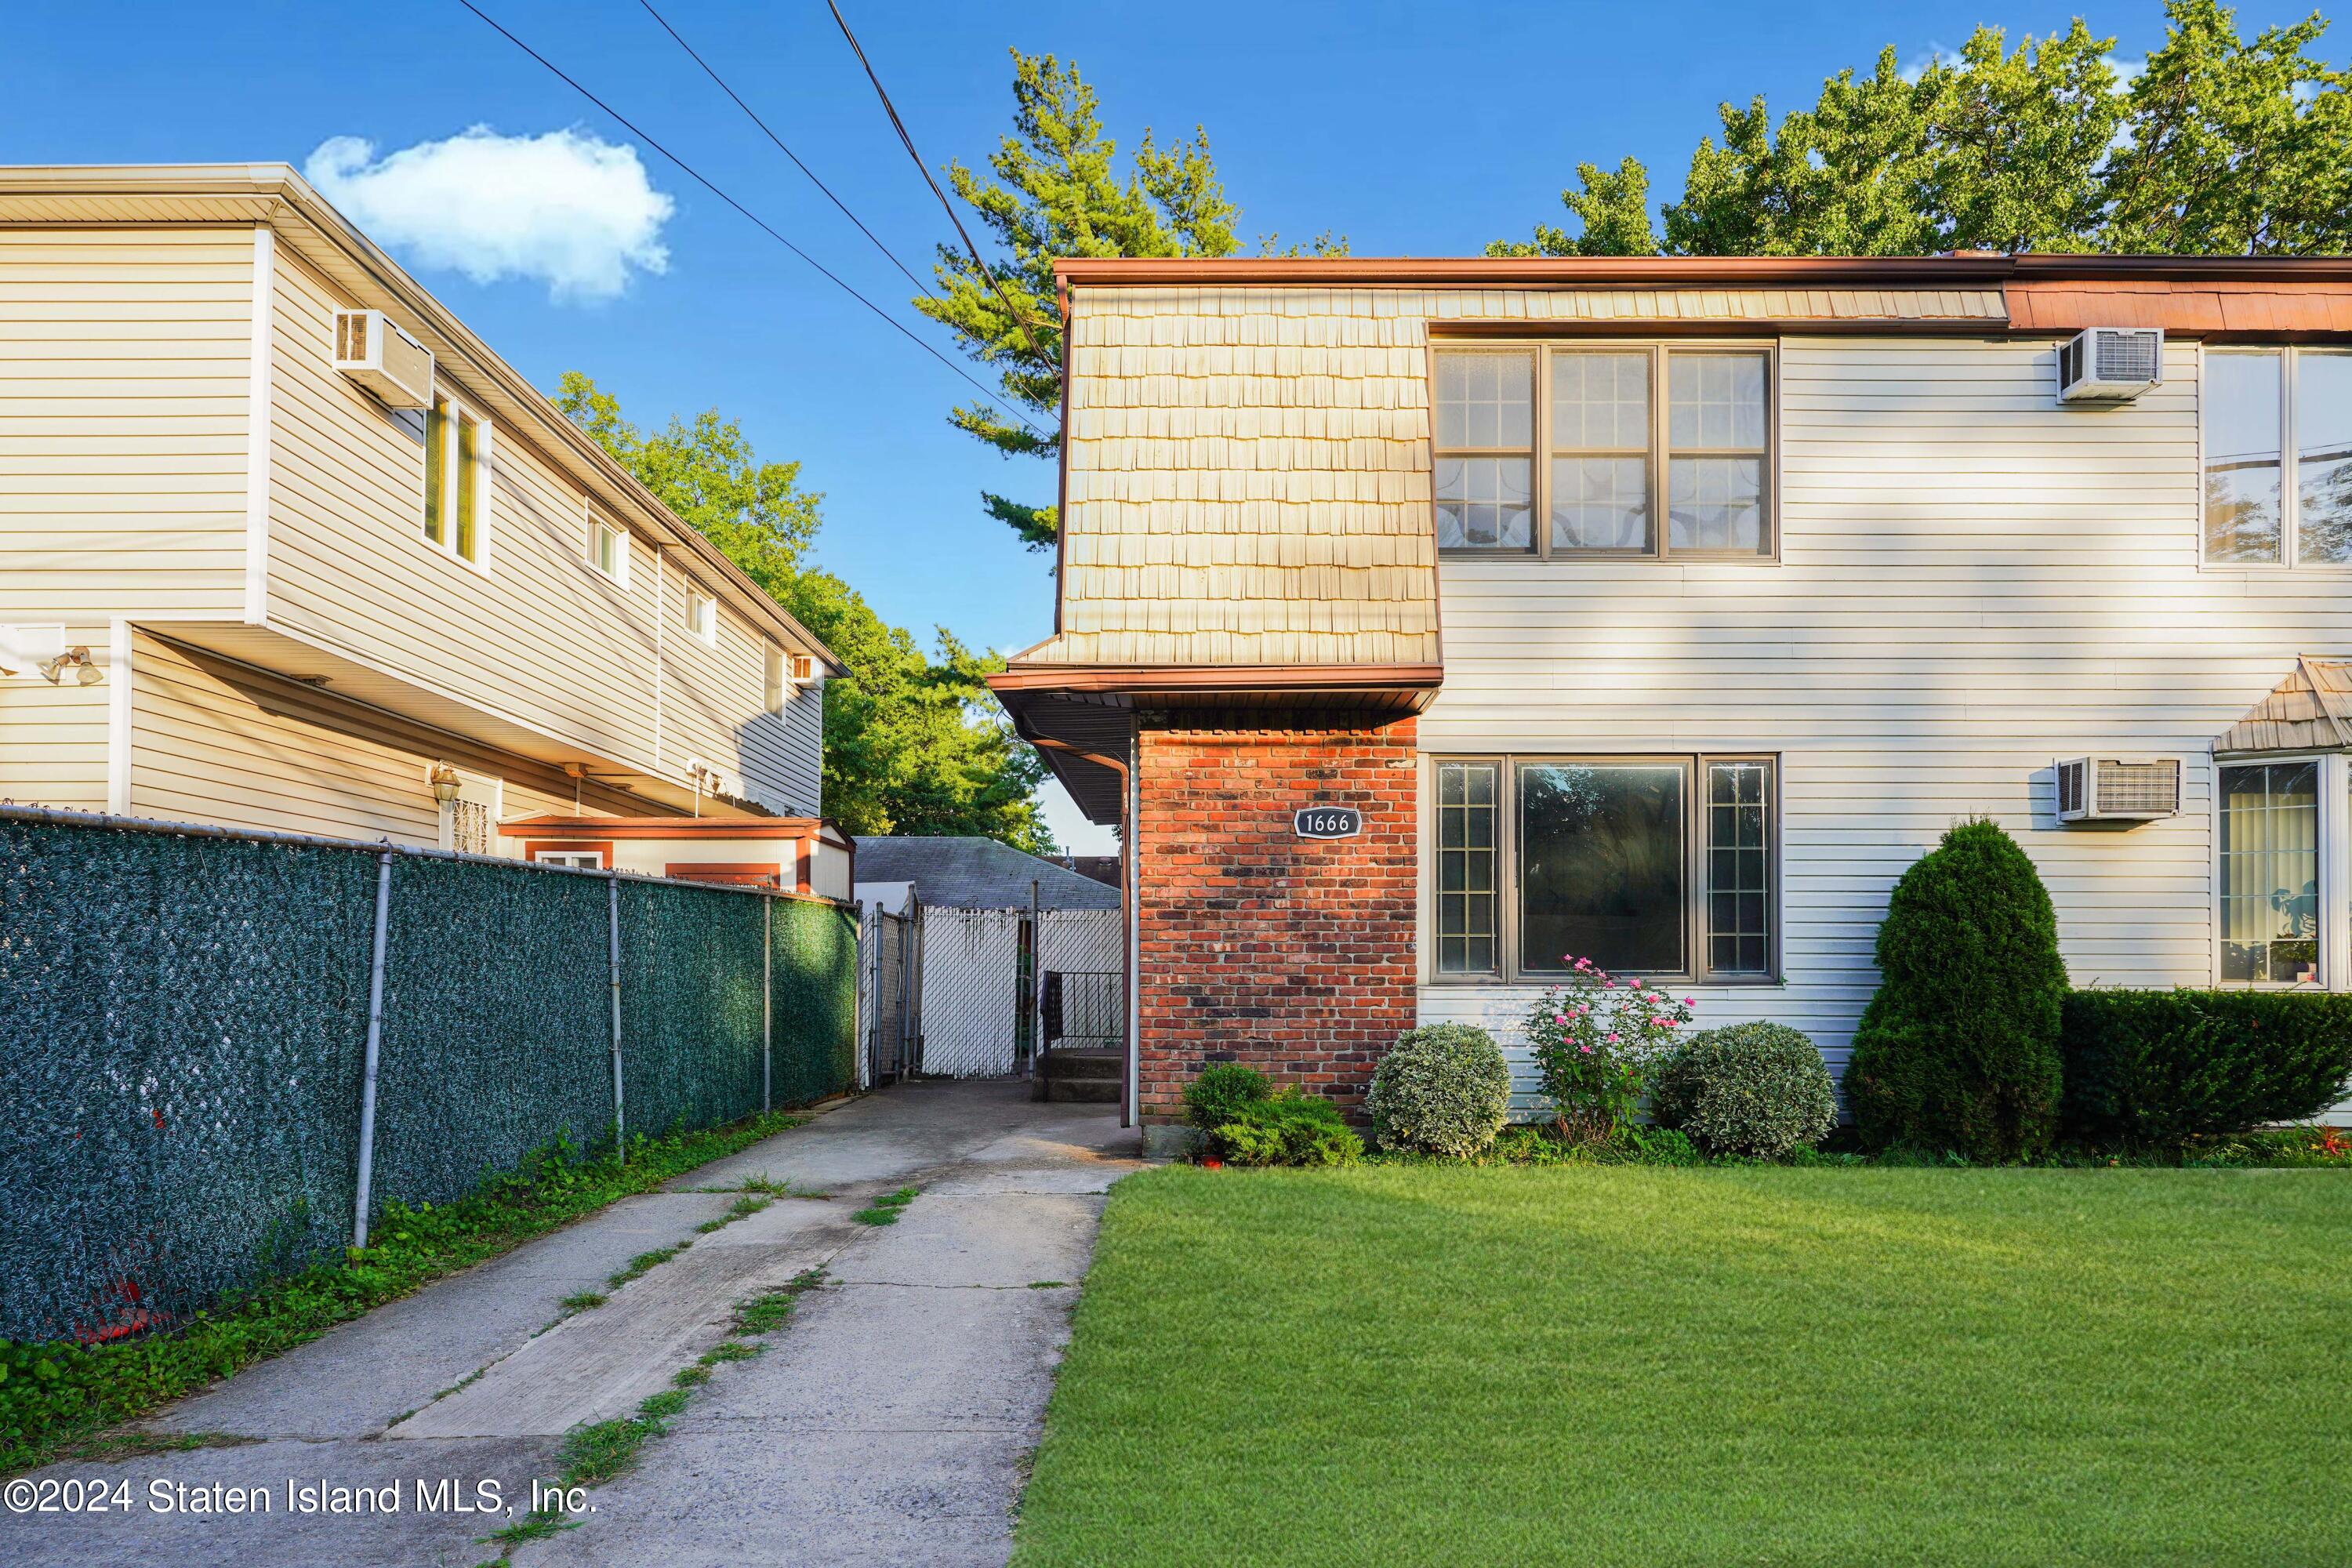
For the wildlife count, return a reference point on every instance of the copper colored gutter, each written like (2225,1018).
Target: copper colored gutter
(1668,271)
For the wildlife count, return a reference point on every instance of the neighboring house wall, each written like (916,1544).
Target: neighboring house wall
(534,632)
(150,325)
(1294,955)
(124,369)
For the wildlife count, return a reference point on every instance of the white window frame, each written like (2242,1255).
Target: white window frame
(599,529)
(590,859)
(777,671)
(460,412)
(704,608)
(2290,357)
(2334,871)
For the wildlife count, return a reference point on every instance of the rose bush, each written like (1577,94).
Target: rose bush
(1597,1038)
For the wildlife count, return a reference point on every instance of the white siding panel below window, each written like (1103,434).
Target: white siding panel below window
(1974,582)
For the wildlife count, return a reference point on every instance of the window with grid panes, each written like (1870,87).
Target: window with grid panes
(1626,431)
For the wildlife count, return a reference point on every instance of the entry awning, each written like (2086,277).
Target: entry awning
(1092,706)
(2310,711)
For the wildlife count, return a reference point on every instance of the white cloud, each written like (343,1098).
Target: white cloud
(1934,55)
(565,208)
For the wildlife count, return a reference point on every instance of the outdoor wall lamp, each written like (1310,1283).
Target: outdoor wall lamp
(76,660)
(445,783)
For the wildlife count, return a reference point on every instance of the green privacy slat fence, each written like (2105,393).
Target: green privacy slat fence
(184,1023)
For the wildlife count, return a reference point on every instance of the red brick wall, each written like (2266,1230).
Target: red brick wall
(1295,955)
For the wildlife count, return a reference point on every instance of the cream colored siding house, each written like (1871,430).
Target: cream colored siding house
(285,630)
(1697,599)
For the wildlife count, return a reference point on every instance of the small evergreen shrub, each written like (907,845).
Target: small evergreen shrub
(1758,1089)
(1221,1090)
(1959,1048)
(2156,1068)
(1442,1089)
(1289,1129)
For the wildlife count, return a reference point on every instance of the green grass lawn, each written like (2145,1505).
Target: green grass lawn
(1641,1365)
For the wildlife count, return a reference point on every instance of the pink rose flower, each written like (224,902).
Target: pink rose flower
(1560,1018)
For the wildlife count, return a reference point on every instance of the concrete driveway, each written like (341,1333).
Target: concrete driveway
(890,1421)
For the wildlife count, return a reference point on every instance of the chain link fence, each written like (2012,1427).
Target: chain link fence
(185,1032)
(889,982)
(979,984)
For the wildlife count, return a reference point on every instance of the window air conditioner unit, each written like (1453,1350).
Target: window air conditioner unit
(2118,789)
(390,364)
(801,667)
(2110,364)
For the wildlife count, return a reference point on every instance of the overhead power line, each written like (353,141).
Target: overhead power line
(700,178)
(779,141)
(1019,317)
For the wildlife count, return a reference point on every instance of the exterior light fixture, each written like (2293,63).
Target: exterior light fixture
(445,783)
(76,660)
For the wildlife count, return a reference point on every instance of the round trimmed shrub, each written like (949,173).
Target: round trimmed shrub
(1758,1089)
(1958,1050)
(1442,1090)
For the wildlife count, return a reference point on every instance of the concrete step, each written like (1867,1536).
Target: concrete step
(1074,1064)
(1082,1091)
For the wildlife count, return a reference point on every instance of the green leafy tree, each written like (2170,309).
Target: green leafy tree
(2219,146)
(912,744)
(1960,1048)
(1613,211)
(1058,190)
(2236,148)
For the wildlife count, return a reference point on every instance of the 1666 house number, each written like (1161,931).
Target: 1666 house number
(1328,821)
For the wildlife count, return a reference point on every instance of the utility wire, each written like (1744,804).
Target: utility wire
(1019,317)
(698,176)
(779,141)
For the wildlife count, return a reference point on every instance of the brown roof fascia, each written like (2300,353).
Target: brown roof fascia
(1154,681)
(1672,271)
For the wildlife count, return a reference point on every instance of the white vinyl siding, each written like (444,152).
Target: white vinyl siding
(1973,582)
(124,370)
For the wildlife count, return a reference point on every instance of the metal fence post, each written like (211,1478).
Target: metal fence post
(767,1003)
(362,1191)
(620,1125)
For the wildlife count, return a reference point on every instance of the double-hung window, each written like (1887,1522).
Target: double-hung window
(456,479)
(1652,866)
(2278,457)
(702,615)
(1562,451)
(608,549)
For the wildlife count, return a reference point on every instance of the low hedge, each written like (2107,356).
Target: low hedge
(2147,1068)
(1287,1128)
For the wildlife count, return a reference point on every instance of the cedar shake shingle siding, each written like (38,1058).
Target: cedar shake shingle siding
(1249,468)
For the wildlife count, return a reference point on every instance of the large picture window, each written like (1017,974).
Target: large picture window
(1618,427)
(1652,866)
(2278,457)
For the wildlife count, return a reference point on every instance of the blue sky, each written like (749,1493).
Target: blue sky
(1413,130)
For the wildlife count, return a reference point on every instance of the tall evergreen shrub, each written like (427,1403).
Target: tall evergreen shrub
(1960,1050)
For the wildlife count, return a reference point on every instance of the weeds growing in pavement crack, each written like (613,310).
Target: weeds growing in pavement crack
(596,1453)
(885,1210)
(742,1208)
